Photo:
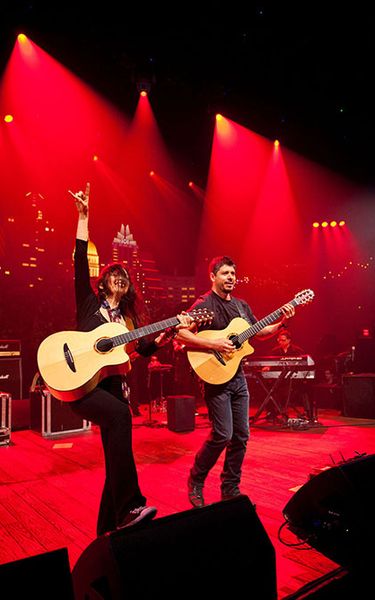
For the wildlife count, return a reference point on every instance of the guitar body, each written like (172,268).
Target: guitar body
(71,379)
(206,364)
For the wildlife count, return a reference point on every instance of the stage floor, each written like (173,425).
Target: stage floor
(50,487)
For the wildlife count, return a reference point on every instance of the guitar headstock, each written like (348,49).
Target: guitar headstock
(201,315)
(304,297)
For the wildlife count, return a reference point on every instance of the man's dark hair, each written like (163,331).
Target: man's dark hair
(219,261)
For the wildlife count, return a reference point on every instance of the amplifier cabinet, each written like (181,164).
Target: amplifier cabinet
(359,396)
(181,413)
(5,418)
(11,376)
(10,347)
(51,417)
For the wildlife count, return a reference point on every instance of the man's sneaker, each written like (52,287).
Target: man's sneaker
(141,513)
(195,493)
(229,494)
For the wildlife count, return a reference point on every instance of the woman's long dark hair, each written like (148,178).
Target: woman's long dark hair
(131,304)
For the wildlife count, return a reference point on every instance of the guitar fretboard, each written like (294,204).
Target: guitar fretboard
(135,334)
(259,325)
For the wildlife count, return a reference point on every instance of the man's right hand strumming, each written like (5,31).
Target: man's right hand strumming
(222,345)
(192,341)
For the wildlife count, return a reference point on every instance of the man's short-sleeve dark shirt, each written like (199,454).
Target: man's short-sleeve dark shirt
(224,310)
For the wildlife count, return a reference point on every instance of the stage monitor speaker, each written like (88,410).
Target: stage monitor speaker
(44,576)
(181,413)
(220,550)
(364,355)
(11,376)
(359,396)
(325,395)
(334,511)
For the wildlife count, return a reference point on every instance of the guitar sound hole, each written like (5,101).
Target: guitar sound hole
(235,342)
(104,345)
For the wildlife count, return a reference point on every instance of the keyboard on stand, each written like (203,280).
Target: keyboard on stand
(271,367)
(280,369)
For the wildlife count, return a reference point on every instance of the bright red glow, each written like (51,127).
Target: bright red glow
(156,207)
(197,191)
(365,332)
(225,131)
(169,199)
(238,161)
(26,48)
(95,157)
(249,209)
(8,118)
(257,203)
(152,173)
(60,125)
(275,213)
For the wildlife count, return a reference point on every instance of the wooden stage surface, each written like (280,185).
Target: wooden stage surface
(50,487)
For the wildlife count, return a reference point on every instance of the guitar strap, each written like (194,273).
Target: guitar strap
(113,313)
(240,309)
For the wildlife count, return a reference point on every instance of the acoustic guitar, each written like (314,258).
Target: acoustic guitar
(72,363)
(217,367)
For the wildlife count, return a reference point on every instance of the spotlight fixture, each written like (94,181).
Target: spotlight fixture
(144,86)
(144,82)
(325,224)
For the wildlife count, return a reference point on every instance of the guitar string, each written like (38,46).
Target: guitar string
(301,298)
(129,336)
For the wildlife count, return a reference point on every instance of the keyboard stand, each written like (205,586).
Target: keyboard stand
(285,374)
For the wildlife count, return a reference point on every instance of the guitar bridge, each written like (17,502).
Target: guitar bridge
(219,357)
(69,358)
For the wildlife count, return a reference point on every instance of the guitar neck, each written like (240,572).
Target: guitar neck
(135,334)
(259,325)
